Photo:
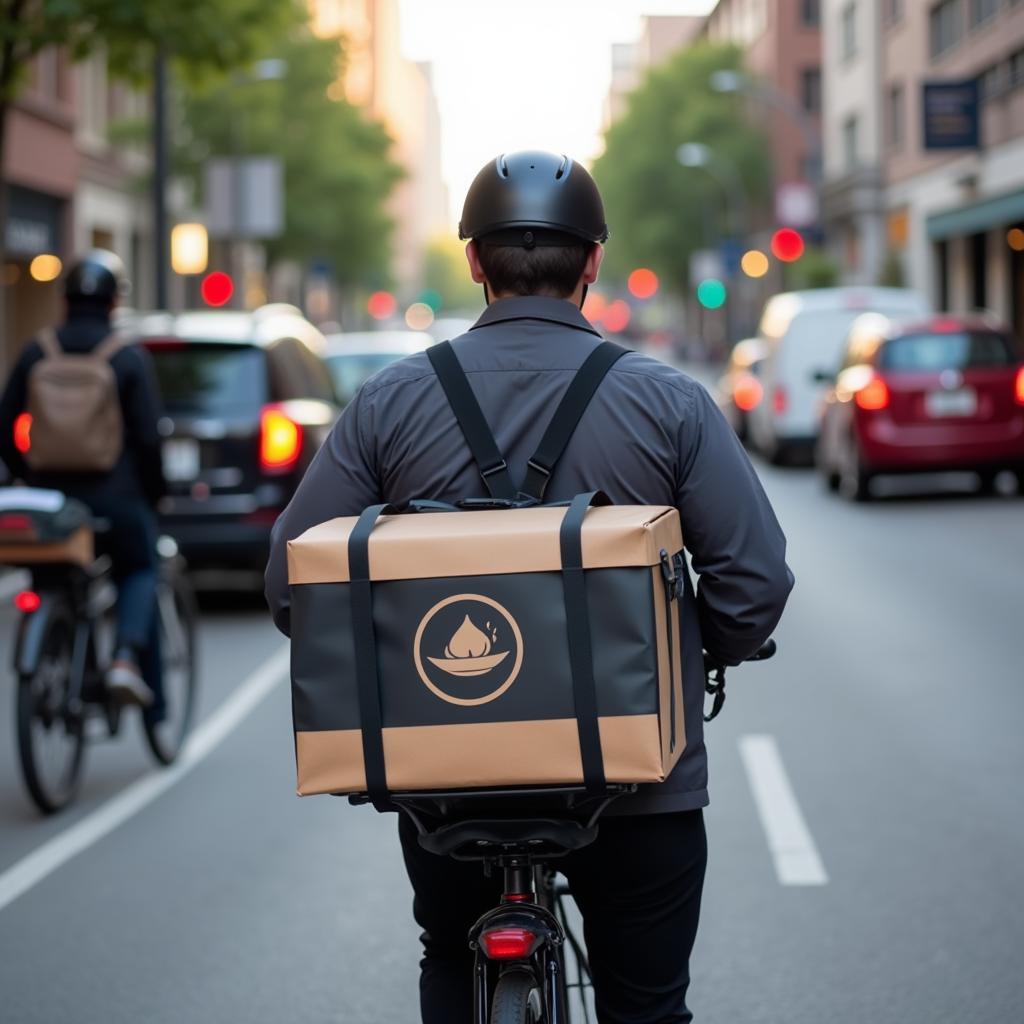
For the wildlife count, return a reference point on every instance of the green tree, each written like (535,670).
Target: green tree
(337,169)
(658,211)
(445,271)
(198,36)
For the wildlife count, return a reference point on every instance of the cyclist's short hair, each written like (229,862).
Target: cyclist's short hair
(544,270)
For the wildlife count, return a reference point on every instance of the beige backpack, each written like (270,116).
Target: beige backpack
(77,424)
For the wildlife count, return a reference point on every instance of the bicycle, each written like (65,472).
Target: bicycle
(520,971)
(64,647)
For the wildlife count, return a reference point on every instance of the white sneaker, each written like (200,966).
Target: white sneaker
(125,683)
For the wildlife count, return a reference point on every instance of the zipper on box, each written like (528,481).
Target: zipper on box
(671,572)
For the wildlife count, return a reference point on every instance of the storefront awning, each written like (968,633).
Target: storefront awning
(1000,211)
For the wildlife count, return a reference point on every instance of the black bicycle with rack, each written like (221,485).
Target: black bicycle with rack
(63,649)
(520,962)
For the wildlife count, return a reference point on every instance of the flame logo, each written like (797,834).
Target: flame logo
(468,653)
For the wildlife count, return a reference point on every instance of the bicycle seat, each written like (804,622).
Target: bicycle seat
(482,839)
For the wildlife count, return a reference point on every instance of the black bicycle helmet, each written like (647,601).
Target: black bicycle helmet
(534,198)
(99,276)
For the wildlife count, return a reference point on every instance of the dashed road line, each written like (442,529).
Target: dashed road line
(797,861)
(53,854)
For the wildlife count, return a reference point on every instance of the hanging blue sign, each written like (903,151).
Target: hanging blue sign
(951,115)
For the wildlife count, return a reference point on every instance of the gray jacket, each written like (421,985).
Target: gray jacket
(651,435)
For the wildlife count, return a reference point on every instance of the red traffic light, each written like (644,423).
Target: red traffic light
(381,305)
(217,288)
(642,283)
(787,245)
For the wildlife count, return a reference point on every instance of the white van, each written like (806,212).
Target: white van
(804,334)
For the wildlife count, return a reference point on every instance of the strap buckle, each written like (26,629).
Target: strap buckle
(544,471)
(497,468)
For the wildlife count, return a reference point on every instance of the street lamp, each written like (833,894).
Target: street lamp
(725,172)
(726,80)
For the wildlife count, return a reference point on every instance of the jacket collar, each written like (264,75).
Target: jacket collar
(535,307)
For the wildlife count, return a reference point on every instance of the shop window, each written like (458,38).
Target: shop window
(942,274)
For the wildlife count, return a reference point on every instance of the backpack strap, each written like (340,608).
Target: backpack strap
(567,417)
(49,343)
(489,460)
(109,346)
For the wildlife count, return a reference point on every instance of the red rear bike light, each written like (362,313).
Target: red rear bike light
(747,392)
(874,396)
(280,440)
(15,522)
(23,432)
(27,602)
(780,400)
(1018,387)
(508,943)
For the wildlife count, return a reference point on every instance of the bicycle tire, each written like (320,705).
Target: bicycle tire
(43,717)
(178,654)
(517,999)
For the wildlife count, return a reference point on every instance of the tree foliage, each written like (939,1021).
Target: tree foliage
(445,271)
(337,169)
(658,211)
(199,35)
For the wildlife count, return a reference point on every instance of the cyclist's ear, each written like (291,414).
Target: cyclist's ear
(593,265)
(476,269)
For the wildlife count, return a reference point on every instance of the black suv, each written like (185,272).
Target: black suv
(247,402)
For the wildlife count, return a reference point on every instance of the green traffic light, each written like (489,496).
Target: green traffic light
(711,293)
(431,298)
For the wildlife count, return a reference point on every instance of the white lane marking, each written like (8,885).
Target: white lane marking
(797,861)
(11,583)
(54,853)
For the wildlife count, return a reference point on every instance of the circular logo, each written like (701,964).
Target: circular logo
(468,649)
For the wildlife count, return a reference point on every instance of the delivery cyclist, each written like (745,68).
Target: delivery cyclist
(650,436)
(126,495)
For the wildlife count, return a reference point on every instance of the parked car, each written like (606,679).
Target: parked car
(804,334)
(740,388)
(352,359)
(444,328)
(924,395)
(248,402)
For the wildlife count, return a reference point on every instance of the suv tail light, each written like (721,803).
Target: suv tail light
(780,400)
(23,432)
(874,396)
(508,943)
(1018,387)
(280,440)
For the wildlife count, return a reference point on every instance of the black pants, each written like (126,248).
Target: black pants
(638,887)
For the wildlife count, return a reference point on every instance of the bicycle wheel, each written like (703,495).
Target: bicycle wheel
(50,738)
(517,999)
(176,617)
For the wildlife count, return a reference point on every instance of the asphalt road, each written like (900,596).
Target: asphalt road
(895,705)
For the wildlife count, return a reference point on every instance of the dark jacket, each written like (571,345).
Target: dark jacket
(650,436)
(138,472)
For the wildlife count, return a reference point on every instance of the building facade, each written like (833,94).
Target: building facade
(853,195)
(952,214)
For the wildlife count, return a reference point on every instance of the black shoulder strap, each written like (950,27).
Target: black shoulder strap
(493,467)
(567,417)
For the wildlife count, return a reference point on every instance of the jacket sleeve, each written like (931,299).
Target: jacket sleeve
(731,532)
(12,405)
(342,480)
(143,409)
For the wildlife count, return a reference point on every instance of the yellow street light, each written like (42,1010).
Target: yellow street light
(190,248)
(1015,239)
(45,267)
(754,263)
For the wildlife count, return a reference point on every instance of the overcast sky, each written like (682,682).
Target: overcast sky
(516,74)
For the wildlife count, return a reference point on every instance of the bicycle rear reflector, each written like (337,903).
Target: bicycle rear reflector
(508,943)
(27,602)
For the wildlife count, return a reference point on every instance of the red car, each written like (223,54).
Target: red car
(930,395)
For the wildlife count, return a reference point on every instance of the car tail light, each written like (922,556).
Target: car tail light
(23,432)
(1018,387)
(780,400)
(280,440)
(874,396)
(163,344)
(747,392)
(27,602)
(508,943)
